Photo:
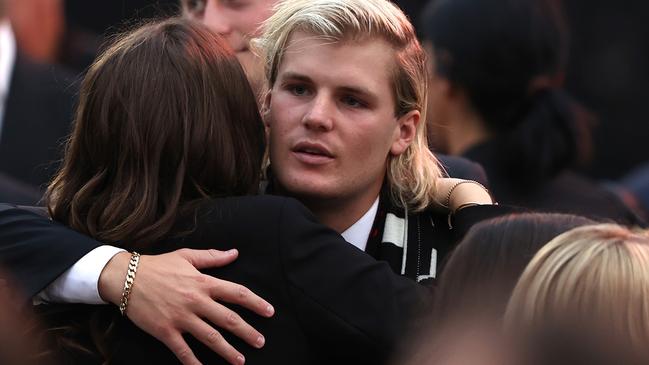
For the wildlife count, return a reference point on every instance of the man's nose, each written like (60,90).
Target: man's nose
(320,114)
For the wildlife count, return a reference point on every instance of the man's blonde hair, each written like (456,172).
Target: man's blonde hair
(597,273)
(412,176)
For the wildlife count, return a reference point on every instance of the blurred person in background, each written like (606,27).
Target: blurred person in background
(36,101)
(496,98)
(464,326)
(39,27)
(238,21)
(587,288)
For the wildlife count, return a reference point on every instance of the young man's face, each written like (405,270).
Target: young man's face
(331,119)
(238,21)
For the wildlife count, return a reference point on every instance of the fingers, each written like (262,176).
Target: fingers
(215,341)
(179,347)
(225,318)
(238,294)
(202,259)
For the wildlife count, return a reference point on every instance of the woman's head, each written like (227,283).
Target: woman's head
(594,279)
(484,268)
(507,59)
(165,117)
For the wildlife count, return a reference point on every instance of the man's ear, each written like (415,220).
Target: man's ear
(406,132)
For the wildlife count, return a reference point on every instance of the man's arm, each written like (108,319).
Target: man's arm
(170,296)
(35,251)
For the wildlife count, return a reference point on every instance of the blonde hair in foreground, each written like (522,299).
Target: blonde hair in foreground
(412,176)
(598,273)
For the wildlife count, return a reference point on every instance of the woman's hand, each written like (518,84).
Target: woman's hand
(171,297)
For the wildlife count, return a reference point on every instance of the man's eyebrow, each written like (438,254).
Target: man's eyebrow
(360,91)
(356,90)
(295,76)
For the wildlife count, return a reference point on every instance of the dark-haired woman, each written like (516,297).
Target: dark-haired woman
(496,98)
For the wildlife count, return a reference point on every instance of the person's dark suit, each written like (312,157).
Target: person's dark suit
(37,118)
(334,303)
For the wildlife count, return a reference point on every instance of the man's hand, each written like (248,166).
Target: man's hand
(171,297)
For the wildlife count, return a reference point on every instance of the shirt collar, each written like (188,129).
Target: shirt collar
(359,232)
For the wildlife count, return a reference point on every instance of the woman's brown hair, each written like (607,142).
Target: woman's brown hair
(166,118)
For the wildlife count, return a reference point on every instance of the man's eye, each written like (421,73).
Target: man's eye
(352,102)
(298,90)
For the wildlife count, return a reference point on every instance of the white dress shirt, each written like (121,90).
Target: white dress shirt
(79,284)
(359,232)
(7,61)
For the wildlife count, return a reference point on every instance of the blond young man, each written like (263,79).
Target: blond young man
(347,83)
(345,108)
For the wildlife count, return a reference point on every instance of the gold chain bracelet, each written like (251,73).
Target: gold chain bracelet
(128,283)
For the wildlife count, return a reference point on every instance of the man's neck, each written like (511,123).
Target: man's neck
(338,214)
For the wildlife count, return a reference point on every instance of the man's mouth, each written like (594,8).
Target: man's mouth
(312,153)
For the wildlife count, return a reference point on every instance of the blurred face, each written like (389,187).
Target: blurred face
(238,21)
(331,119)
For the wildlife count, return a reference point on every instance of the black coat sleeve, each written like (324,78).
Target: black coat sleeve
(344,298)
(34,251)
(464,219)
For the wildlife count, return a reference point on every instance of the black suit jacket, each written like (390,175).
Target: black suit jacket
(334,303)
(37,118)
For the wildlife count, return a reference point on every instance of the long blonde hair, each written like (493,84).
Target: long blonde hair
(598,273)
(412,176)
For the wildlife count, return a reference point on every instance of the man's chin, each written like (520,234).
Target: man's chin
(304,189)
